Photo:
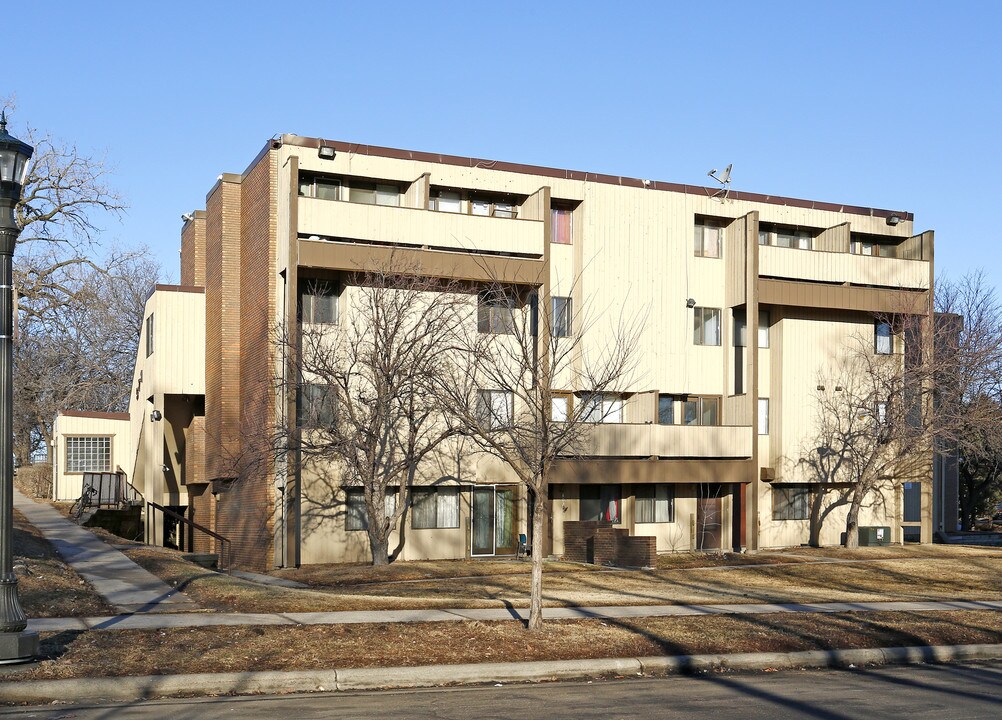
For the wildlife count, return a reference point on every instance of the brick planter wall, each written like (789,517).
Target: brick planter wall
(604,544)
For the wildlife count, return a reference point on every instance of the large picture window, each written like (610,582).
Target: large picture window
(88,454)
(602,502)
(602,408)
(356,517)
(435,507)
(701,410)
(790,502)
(655,503)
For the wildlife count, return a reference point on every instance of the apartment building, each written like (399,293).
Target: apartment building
(747,298)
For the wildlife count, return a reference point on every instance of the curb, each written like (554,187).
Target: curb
(143,687)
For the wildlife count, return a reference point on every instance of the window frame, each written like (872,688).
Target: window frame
(600,408)
(486,405)
(699,318)
(878,325)
(763,402)
(671,408)
(326,413)
(96,452)
(149,335)
(562,322)
(560,210)
(309,294)
(640,504)
(699,401)
(567,397)
(439,492)
(786,505)
(496,312)
(699,238)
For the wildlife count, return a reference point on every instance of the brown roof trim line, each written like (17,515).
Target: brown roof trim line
(94,415)
(500,165)
(180,288)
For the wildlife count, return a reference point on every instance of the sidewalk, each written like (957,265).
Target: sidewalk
(353,617)
(120,581)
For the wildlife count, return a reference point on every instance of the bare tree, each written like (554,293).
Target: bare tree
(80,352)
(969,397)
(509,383)
(876,424)
(368,411)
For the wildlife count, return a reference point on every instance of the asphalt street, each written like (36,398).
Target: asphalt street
(915,692)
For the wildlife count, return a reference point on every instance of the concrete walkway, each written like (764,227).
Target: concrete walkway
(352,617)
(117,579)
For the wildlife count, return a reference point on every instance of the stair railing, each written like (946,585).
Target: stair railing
(225,545)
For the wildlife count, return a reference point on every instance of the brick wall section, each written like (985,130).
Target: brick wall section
(200,510)
(193,251)
(222,329)
(609,545)
(245,513)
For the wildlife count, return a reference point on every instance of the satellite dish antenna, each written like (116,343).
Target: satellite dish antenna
(725,182)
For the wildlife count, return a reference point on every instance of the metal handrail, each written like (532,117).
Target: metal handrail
(224,541)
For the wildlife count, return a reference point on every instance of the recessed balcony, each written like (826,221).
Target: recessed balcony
(842,267)
(645,440)
(420,228)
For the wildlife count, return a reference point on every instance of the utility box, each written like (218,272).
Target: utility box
(870,535)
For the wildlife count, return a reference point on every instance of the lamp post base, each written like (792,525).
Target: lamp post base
(18,647)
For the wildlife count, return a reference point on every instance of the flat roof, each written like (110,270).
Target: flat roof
(94,414)
(398,154)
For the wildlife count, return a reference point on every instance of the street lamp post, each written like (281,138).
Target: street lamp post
(16,644)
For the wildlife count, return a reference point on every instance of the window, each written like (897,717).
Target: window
(602,503)
(496,312)
(561,225)
(602,408)
(494,408)
(763,237)
(149,335)
(873,245)
(763,416)
(701,411)
(356,517)
(706,326)
(492,208)
(655,503)
(764,320)
(562,317)
(790,502)
(446,201)
(799,239)
(708,238)
(741,328)
(912,496)
(317,406)
(882,338)
(88,454)
(666,409)
(319,303)
(319,187)
(435,507)
(374,194)
(560,407)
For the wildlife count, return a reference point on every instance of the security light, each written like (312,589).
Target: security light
(326,152)
(156,415)
(690,303)
(893,220)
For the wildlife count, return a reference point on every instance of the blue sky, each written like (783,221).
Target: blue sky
(893,105)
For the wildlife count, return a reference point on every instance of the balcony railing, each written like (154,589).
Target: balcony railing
(842,267)
(644,440)
(421,228)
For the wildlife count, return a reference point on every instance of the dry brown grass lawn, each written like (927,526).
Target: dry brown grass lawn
(228,649)
(934,574)
(48,587)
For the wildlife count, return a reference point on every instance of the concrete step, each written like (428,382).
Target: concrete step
(990,539)
(210,561)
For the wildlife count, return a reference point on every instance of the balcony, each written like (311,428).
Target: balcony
(623,440)
(842,267)
(420,228)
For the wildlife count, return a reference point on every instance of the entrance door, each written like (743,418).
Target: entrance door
(494,522)
(709,517)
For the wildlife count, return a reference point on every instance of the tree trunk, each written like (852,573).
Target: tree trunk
(817,502)
(379,546)
(852,519)
(536,587)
